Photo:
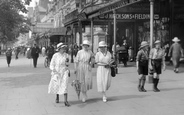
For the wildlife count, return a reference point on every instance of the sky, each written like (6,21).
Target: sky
(33,3)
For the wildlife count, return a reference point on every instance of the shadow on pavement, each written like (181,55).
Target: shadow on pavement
(26,81)
(124,97)
(170,89)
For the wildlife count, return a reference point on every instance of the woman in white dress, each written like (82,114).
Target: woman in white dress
(83,68)
(60,73)
(103,59)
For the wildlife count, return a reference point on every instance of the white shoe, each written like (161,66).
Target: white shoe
(83,100)
(104,99)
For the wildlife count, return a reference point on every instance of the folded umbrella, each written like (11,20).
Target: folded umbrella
(77,86)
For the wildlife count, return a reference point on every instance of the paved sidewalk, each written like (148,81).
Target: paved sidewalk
(23,91)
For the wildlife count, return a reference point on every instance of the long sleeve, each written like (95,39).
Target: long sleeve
(170,50)
(77,57)
(97,57)
(53,63)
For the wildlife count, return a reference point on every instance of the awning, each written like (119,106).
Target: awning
(109,8)
(57,31)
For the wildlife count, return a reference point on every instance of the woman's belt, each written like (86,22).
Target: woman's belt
(156,59)
(84,62)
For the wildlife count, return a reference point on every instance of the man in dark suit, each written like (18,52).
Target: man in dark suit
(35,54)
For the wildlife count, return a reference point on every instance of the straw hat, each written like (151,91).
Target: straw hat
(102,44)
(60,45)
(86,42)
(157,42)
(175,39)
(144,44)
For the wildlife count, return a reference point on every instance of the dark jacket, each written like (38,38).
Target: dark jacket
(35,52)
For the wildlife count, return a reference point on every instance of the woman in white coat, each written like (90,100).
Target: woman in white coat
(103,59)
(60,74)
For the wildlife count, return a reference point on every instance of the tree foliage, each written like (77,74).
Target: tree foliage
(11,21)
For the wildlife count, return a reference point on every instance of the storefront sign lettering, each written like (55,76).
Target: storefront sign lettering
(128,16)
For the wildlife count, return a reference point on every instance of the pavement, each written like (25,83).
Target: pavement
(23,91)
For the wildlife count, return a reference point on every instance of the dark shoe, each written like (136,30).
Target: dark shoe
(157,81)
(67,104)
(143,89)
(57,100)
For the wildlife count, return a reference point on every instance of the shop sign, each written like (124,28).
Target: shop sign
(128,16)
(117,5)
(71,16)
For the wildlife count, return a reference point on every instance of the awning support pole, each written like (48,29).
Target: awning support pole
(150,78)
(151,22)
(115,56)
(92,38)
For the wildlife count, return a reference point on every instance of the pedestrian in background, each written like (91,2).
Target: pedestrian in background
(157,56)
(83,68)
(43,51)
(50,52)
(176,52)
(35,54)
(8,56)
(142,65)
(60,74)
(103,59)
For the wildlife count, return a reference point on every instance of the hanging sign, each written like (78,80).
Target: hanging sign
(123,16)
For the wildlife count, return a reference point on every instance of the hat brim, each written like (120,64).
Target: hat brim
(86,44)
(175,40)
(62,46)
(144,46)
(102,46)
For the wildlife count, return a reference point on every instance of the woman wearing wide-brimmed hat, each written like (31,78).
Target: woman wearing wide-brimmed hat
(103,60)
(83,68)
(60,74)
(142,64)
(176,52)
(157,56)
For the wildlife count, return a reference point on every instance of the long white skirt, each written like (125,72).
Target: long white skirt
(59,83)
(103,78)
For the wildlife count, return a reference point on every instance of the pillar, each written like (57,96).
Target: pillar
(115,56)
(92,37)
(151,36)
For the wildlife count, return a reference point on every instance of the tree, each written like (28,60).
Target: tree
(11,21)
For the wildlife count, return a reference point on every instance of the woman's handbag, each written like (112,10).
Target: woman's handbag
(113,71)
(113,68)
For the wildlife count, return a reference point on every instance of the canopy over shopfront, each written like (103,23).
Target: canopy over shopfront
(57,31)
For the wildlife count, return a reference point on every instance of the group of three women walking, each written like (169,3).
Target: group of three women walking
(83,68)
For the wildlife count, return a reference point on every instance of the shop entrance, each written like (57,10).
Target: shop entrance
(125,30)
